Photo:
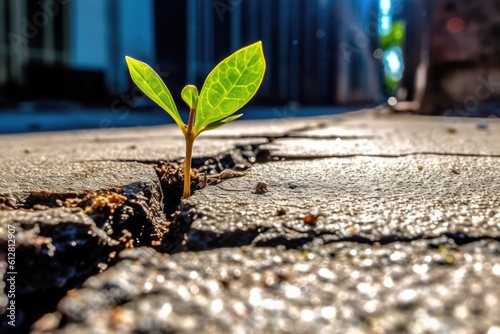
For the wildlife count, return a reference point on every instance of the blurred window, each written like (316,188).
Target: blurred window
(32,32)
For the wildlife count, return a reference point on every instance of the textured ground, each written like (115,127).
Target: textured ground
(360,222)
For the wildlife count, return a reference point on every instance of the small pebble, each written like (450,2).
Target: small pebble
(281,212)
(310,220)
(11,202)
(40,207)
(451,130)
(261,187)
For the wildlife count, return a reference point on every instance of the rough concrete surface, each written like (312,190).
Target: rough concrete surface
(134,145)
(337,288)
(21,179)
(362,222)
(364,198)
(379,135)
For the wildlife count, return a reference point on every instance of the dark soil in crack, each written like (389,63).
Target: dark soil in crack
(171,176)
(58,247)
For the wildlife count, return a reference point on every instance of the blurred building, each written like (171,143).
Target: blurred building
(317,51)
(72,49)
(464,73)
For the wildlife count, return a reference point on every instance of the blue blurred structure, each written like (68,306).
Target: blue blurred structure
(385,17)
(318,52)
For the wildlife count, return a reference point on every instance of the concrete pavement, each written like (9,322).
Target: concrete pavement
(366,221)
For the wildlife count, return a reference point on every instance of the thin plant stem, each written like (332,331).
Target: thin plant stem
(187,166)
(189,154)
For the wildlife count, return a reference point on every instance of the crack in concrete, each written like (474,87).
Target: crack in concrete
(326,156)
(279,158)
(203,240)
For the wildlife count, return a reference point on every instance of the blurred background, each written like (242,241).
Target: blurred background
(62,61)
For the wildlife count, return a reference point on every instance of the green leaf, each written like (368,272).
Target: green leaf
(221,122)
(230,85)
(190,96)
(154,87)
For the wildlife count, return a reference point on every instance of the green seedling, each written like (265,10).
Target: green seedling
(227,88)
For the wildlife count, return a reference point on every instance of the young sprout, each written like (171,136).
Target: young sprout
(227,88)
